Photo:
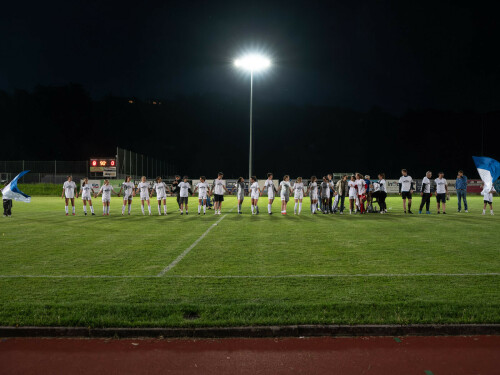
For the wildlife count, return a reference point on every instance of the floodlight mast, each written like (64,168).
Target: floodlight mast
(252,63)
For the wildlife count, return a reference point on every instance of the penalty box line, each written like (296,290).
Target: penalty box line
(326,276)
(186,252)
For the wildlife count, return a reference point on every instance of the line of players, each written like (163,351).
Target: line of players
(357,189)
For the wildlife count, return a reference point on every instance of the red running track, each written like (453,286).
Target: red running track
(363,355)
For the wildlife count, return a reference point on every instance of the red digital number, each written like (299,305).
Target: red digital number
(94,163)
(112,163)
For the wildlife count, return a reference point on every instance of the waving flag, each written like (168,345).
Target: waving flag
(489,170)
(11,191)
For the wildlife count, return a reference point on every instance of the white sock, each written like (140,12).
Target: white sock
(239,207)
(85,209)
(204,208)
(129,208)
(73,209)
(165,209)
(149,208)
(269,208)
(66,209)
(252,208)
(199,208)
(92,209)
(159,209)
(491,212)
(104,210)
(300,208)
(295,208)
(142,209)
(123,209)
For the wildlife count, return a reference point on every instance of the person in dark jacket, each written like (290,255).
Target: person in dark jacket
(176,190)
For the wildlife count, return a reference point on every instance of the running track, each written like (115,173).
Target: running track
(364,355)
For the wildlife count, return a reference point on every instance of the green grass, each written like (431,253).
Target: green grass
(352,269)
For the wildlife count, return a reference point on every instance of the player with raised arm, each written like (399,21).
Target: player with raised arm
(312,191)
(69,192)
(285,190)
(202,188)
(271,189)
(161,194)
(106,190)
(426,193)
(239,187)
(441,191)
(143,188)
(218,189)
(185,189)
(353,195)
(86,194)
(406,189)
(128,189)
(255,193)
(298,195)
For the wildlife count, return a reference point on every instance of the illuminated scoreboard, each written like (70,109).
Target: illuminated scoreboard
(103,167)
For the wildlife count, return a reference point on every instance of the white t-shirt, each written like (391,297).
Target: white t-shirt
(405,182)
(440,185)
(184,189)
(285,188)
(144,189)
(313,187)
(69,189)
(352,188)
(161,189)
(86,191)
(219,187)
(106,192)
(269,185)
(298,189)
(427,183)
(361,186)
(488,196)
(128,188)
(202,189)
(382,186)
(255,189)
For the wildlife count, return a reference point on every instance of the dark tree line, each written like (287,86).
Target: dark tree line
(206,133)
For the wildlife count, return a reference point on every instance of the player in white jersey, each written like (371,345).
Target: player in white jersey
(324,188)
(441,191)
(487,198)
(239,187)
(184,190)
(361,191)
(271,189)
(255,193)
(86,194)
(285,191)
(353,195)
(218,189)
(312,191)
(128,189)
(382,193)
(106,190)
(298,195)
(69,192)
(406,189)
(143,188)
(202,188)
(161,194)
(426,193)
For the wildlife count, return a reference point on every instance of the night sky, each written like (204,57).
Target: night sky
(398,58)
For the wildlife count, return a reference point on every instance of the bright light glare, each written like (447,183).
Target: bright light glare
(253,63)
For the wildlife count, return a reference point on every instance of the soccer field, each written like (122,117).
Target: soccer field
(247,270)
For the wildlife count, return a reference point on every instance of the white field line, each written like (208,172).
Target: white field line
(359,275)
(186,252)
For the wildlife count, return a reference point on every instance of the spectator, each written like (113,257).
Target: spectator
(461,186)
(342,190)
(176,190)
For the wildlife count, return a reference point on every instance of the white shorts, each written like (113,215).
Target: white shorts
(69,196)
(285,198)
(160,197)
(299,195)
(255,196)
(127,197)
(353,195)
(202,196)
(86,198)
(241,196)
(314,196)
(106,199)
(144,197)
(270,195)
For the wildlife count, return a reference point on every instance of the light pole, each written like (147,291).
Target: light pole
(252,63)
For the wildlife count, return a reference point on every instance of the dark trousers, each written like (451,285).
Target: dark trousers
(330,203)
(426,199)
(179,200)
(380,196)
(7,207)
(342,200)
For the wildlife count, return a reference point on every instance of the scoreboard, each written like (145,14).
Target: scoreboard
(102,167)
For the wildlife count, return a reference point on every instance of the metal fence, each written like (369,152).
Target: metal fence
(130,163)
(52,171)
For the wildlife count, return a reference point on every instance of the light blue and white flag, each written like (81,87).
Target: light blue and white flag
(488,169)
(11,191)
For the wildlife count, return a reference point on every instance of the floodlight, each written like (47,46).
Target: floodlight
(253,63)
